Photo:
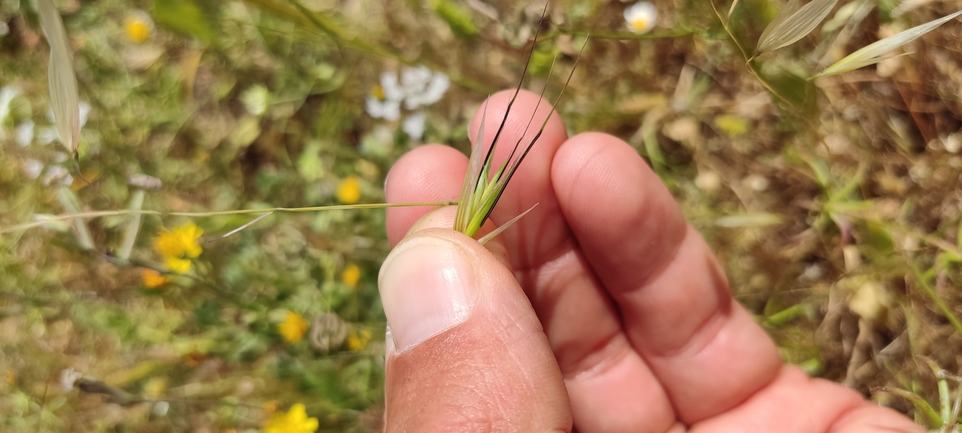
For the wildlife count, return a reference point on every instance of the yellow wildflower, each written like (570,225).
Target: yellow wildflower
(180,266)
(293,327)
(138,26)
(153,279)
(357,341)
(351,275)
(270,408)
(349,190)
(178,246)
(294,421)
(155,387)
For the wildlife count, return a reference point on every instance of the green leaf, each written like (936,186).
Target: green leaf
(184,16)
(458,19)
(873,53)
(61,78)
(309,164)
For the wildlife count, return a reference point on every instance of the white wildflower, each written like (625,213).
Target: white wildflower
(57,175)
(47,135)
(256,99)
(413,125)
(82,107)
(25,133)
(4,28)
(427,92)
(385,103)
(138,27)
(412,78)
(422,87)
(144,181)
(391,88)
(383,108)
(641,17)
(32,168)
(417,87)
(7,93)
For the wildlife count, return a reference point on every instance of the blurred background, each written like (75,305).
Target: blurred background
(832,202)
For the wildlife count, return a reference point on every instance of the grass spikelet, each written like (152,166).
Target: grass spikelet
(872,53)
(64,99)
(482,188)
(793,23)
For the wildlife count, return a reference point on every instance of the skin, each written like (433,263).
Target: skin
(602,310)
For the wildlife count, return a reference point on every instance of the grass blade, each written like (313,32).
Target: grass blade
(133,226)
(471,177)
(786,29)
(927,412)
(873,53)
(64,99)
(484,239)
(72,205)
(731,10)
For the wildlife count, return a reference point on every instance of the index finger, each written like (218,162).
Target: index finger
(607,254)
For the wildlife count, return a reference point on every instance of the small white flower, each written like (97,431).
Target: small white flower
(32,168)
(391,88)
(413,125)
(47,135)
(416,87)
(641,17)
(144,181)
(256,99)
(383,109)
(68,377)
(57,175)
(7,93)
(25,133)
(415,78)
(385,103)
(4,28)
(84,108)
(431,92)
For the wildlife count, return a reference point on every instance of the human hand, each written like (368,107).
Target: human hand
(630,326)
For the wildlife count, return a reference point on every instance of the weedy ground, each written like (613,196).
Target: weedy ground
(833,203)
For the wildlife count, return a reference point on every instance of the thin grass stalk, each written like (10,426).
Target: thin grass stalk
(118,212)
(943,308)
(928,413)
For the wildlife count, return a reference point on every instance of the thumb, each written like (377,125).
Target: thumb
(465,350)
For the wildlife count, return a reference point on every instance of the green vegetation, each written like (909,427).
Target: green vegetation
(829,192)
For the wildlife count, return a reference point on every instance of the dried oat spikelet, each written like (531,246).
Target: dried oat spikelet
(793,23)
(872,53)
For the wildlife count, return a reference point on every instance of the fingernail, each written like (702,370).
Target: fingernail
(427,286)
